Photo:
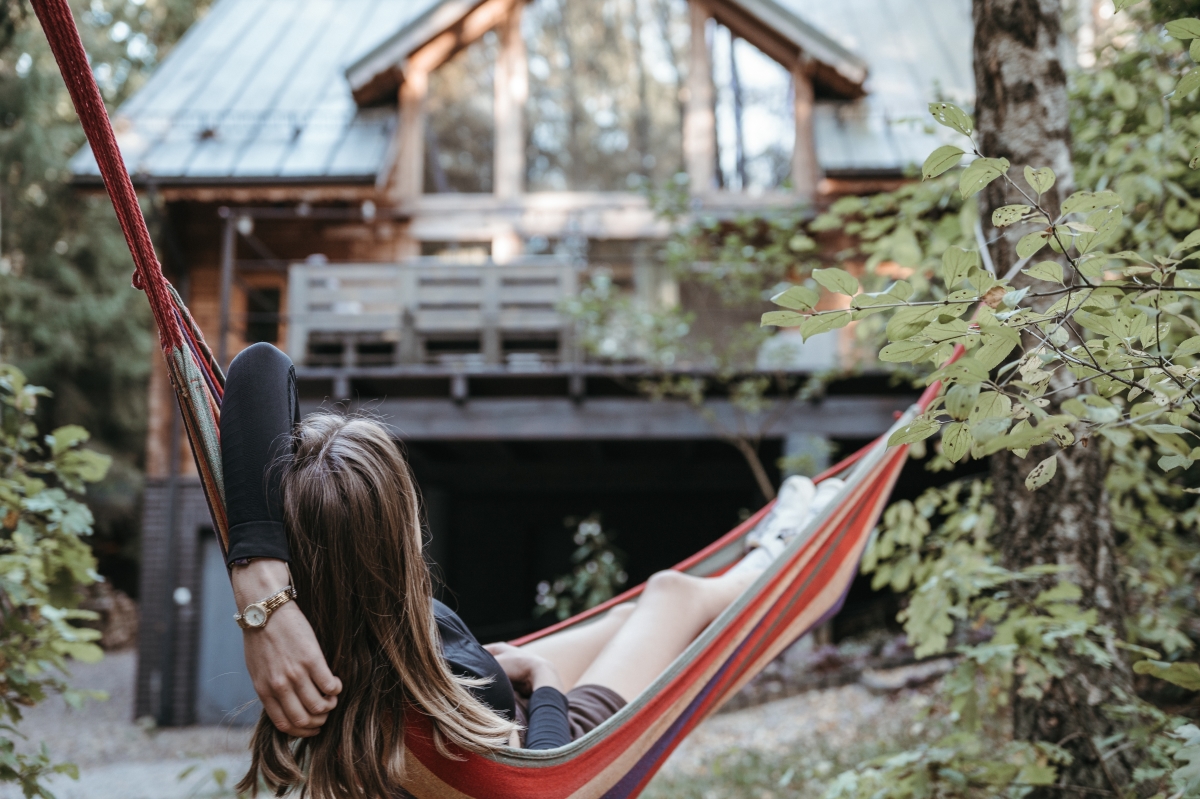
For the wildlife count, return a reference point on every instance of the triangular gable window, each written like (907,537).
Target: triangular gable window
(460,130)
(606,80)
(754,114)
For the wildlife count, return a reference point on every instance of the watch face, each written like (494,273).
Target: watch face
(255,615)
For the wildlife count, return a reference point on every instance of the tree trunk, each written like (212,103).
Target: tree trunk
(1021,113)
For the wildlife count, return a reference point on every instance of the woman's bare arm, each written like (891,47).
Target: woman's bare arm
(286,664)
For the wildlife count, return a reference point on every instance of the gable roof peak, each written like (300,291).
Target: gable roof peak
(777,31)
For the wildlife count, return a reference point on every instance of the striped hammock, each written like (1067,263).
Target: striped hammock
(804,587)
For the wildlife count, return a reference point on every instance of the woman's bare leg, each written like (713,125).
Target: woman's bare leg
(670,613)
(573,650)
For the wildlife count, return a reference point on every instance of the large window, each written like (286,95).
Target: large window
(606,81)
(460,130)
(755,116)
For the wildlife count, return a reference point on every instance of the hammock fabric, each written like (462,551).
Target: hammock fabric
(805,586)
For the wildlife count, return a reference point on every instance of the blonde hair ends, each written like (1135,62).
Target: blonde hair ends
(352,516)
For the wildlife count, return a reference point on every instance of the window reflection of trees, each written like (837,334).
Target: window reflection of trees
(460,128)
(755,119)
(605,102)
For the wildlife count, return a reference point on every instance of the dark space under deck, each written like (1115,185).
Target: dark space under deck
(502,460)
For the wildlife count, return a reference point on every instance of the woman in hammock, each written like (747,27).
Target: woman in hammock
(333,496)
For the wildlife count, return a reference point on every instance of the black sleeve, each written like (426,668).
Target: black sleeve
(548,725)
(258,412)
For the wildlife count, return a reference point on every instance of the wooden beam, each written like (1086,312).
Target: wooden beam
(441,48)
(700,121)
(806,170)
(409,177)
(512,91)
(854,417)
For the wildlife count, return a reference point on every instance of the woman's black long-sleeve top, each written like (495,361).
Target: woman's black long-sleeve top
(258,412)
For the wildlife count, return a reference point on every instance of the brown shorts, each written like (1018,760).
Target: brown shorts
(587,707)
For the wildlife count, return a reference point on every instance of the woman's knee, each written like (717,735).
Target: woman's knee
(620,613)
(671,585)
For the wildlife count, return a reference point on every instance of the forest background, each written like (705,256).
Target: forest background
(68,315)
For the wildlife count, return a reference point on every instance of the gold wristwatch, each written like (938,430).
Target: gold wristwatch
(255,616)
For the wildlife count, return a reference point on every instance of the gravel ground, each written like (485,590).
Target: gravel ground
(119,759)
(834,719)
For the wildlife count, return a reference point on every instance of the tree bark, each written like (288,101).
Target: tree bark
(1022,115)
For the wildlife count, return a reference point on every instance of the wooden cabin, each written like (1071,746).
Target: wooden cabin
(401,194)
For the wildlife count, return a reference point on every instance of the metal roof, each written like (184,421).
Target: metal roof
(257,90)
(919,51)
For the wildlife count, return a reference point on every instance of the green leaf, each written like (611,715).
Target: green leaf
(822,323)
(941,160)
(798,298)
(1124,95)
(998,342)
(1194,49)
(1190,240)
(1031,243)
(979,173)
(1040,180)
(918,429)
(957,263)
(1049,271)
(952,117)
(1006,215)
(782,319)
(1121,5)
(1084,202)
(1188,83)
(1037,774)
(66,437)
(956,441)
(1187,778)
(1185,675)
(836,280)
(991,405)
(1184,28)
(1188,346)
(901,290)
(1169,462)
(904,351)
(966,370)
(78,466)
(1042,473)
(960,400)
(1107,224)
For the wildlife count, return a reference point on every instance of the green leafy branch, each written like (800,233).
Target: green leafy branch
(1125,301)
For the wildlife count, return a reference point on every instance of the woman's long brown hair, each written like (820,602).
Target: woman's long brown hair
(353,523)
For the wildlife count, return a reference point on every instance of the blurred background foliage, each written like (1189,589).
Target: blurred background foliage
(68,315)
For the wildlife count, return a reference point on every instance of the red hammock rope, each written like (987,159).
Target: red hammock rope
(63,35)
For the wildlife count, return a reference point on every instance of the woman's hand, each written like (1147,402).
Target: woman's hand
(285,661)
(526,672)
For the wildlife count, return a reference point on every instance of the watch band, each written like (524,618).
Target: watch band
(265,608)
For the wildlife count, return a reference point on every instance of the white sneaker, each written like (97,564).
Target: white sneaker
(798,503)
(826,492)
(791,506)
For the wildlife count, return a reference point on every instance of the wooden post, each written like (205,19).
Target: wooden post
(806,171)
(700,122)
(228,254)
(410,156)
(512,91)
